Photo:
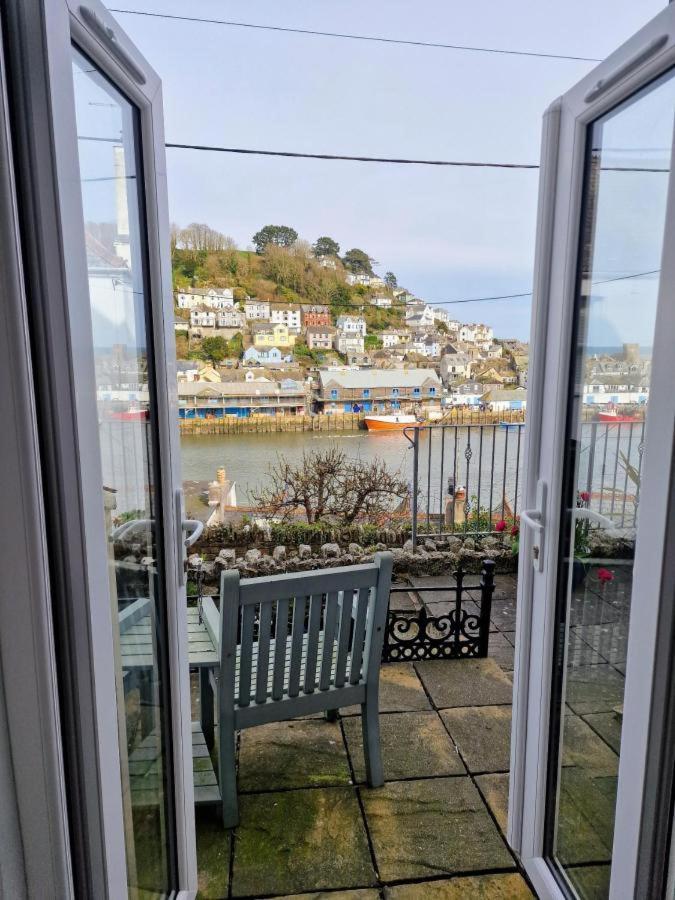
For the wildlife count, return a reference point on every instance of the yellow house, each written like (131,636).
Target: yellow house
(276,335)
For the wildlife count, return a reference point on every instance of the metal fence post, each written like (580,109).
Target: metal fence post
(416,462)
(487,586)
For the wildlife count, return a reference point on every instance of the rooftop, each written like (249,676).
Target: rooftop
(379,378)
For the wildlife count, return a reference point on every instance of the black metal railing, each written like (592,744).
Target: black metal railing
(465,477)
(460,632)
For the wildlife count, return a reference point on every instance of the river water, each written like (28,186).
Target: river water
(490,473)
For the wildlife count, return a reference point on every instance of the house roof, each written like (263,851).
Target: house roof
(495,395)
(235,389)
(380,378)
(321,329)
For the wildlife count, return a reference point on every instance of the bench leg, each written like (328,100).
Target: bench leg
(370,724)
(228,776)
(206,706)
(331,715)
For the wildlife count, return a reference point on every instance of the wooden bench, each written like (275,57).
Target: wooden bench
(292,645)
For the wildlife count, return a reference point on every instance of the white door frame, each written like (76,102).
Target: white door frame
(641,59)
(41,32)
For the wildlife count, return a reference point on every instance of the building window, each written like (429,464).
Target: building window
(432,391)
(394,392)
(333,395)
(366,393)
(416,392)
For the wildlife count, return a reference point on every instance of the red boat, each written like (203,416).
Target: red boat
(611,415)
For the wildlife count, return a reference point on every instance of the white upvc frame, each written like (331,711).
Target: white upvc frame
(644,57)
(43,31)
(34,847)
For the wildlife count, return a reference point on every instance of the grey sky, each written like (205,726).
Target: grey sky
(446,233)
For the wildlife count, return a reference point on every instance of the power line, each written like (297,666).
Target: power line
(370,159)
(357,37)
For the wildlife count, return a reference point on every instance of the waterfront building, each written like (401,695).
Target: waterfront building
(203,400)
(378,390)
(500,400)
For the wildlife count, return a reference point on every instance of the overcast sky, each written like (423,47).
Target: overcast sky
(446,233)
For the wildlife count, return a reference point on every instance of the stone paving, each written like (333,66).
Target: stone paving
(311,828)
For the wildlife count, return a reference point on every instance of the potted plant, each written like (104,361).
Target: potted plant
(581,548)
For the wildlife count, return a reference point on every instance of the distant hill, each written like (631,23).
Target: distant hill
(282,275)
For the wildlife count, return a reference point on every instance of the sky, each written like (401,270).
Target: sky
(446,233)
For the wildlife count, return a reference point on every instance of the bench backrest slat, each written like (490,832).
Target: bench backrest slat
(262,673)
(280,641)
(297,640)
(313,634)
(246,654)
(359,635)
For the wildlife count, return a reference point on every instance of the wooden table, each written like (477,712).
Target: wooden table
(136,639)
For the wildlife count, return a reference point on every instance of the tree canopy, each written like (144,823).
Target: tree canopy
(329,486)
(279,235)
(390,280)
(326,246)
(358,262)
(214,349)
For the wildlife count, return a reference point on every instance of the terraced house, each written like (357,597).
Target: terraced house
(378,390)
(269,335)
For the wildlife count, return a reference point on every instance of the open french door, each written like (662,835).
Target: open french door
(87,143)
(592,751)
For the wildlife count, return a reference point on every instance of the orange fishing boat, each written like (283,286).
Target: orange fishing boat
(391,423)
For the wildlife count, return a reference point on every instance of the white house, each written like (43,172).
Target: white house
(425,345)
(419,314)
(202,318)
(440,315)
(349,343)
(214,298)
(230,318)
(256,309)
(358,278)
(382,302)
(392,337)
(352,325)
(467,333)
(290,316)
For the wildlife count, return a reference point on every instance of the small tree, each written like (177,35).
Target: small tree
(279,235)
(372,342)
(214,349)
(326,246)
(328,486)
(390,280)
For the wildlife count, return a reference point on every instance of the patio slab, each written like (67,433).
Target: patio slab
(585,817)
(213,855)
(592,882)
(301,753)
(502,651)
(477,887)
(430,827)
(503,614)
(365,894)
(400,690)
(414,745)
(483,735)
(608,726)
(583,748)
(305,840)
(495,790)
(465,682)
(592,689)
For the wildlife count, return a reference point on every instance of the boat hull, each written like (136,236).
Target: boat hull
(609,417)
(390,423)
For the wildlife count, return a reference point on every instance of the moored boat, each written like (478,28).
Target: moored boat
(391,423)
(611,415)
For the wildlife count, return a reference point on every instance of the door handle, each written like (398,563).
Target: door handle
(536,519)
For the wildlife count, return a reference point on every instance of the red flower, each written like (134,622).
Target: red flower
(604,575)
(500,526)
(514,530)
(585,496)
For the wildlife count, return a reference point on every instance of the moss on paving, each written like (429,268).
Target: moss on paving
(479,887)
(300,840)
(483,735)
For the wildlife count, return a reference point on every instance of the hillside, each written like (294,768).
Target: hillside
(281,275)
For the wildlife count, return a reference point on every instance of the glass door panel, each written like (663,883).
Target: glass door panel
(628,161)
(111,182)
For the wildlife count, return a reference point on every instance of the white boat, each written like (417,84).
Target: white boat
(391,423)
